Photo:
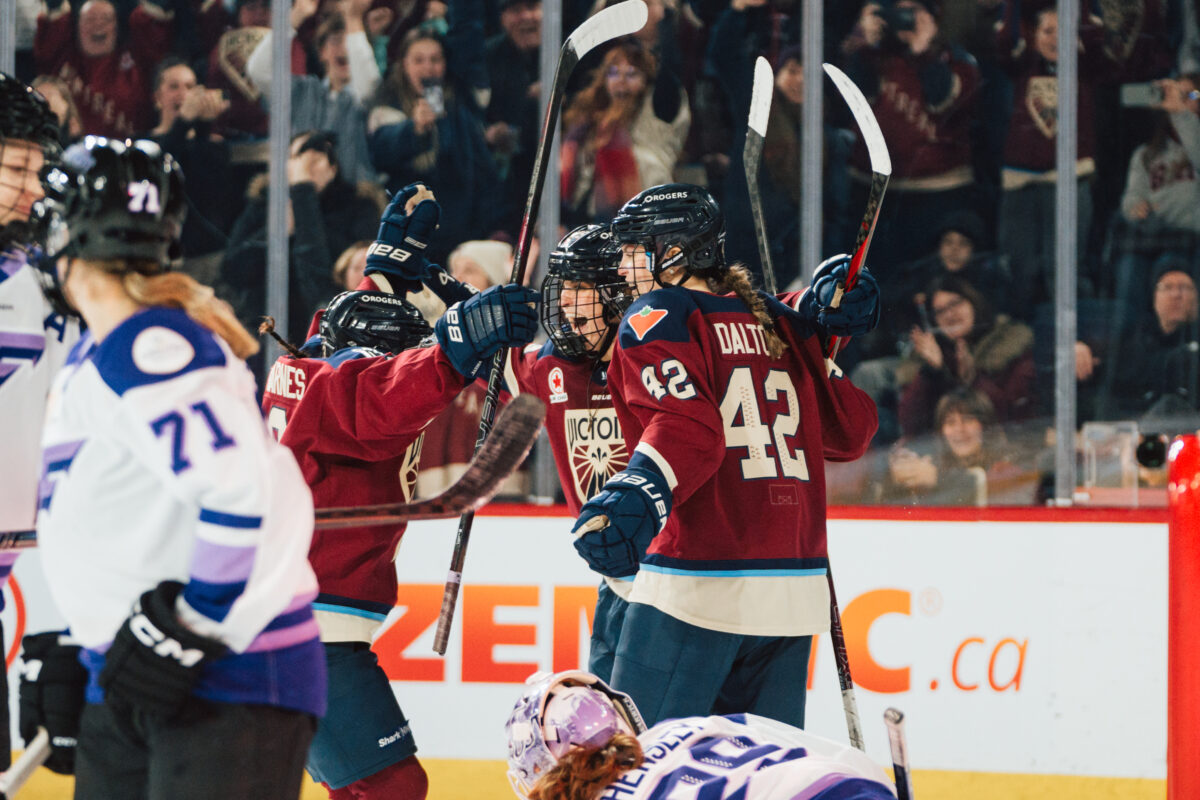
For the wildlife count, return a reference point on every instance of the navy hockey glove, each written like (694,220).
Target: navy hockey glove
(53,682)
(448,289)
(637,502)
(155,660)
(473,330)
(858,312)
(399,248)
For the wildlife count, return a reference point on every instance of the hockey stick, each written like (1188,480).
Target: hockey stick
(619,20)
(756,131)
(881,171)
(894,719)
(510,441)
(838,639)
(36,753)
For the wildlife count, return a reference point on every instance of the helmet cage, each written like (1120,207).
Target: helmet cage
(529,751)
(587,255)
(375,320)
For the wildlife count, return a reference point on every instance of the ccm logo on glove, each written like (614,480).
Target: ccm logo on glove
(162,645)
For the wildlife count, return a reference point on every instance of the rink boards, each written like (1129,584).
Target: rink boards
(1023,646)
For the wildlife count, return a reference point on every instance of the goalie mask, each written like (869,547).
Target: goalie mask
(114,200)
(558,712)
(675,215)
(28,141)
(583,295)
(375,320)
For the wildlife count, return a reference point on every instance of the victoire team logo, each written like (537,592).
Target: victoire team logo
(596,448)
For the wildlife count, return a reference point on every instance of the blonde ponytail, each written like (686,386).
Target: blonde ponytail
(182,291)
(582,773)
(736,279)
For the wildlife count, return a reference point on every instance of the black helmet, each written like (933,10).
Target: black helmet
(25,116)
(587,254)
(675,215)
(110,199)
(383,322)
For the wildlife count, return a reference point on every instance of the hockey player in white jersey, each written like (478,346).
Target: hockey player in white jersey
(35,338)
(572,737)
(173,529)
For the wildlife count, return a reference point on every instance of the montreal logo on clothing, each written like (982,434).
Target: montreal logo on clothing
(643,321)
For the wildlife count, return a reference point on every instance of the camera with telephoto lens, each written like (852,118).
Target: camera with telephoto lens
(897,19)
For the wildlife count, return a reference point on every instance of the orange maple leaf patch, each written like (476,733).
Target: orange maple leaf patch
(644,320)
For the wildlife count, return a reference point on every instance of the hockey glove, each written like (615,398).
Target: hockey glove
(858,312)
(448,289)
(399,248)
(473,330)
(155,660)
(53,682)
(637,503)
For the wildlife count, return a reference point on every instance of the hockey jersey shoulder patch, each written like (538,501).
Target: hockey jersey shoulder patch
(153,346)
(660,315)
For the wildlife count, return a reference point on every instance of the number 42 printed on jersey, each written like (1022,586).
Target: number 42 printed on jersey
(756,416)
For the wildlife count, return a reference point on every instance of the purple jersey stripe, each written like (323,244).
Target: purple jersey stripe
(23,341)
(821,785)
(299,602)
(11,263)
(219,563)
(55,458)
(286,637)
(7,369)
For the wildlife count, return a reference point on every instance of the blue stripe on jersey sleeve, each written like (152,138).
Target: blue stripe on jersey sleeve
(657,562)
(229,520)
(213,600)
(117,364)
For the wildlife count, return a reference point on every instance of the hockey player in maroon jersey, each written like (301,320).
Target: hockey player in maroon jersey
(583,299)
(351,405)
(725,398)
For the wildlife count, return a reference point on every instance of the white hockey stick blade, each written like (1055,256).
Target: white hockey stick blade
(894,719)
(760,96)
(619,20)
(502,452)
(36,753)
(881,161)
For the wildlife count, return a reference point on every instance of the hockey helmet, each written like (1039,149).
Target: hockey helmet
(558,712)
(582,321)
(25,117)
(675,215)
(110,199)
(379,321)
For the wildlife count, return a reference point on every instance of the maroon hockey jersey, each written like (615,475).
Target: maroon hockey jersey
(742,440)
(354,425)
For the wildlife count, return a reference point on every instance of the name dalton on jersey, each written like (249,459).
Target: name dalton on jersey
(595,447)
(741,338)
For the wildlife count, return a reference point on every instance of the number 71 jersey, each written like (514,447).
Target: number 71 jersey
(742,439)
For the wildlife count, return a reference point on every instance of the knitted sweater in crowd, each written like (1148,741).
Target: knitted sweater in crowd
(1167,179)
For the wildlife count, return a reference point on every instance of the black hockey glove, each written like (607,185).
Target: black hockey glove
(449,290)
(858,312)
(473,330)
(637,502)
(399,248)
(154,660)
(53,682)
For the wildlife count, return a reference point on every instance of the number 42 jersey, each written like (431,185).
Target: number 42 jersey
(742,439)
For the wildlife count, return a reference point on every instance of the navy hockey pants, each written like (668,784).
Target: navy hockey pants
(673,669)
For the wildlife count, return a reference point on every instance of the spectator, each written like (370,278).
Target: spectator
(1160,209)
(108,82)
(246,117)
(923,91)
(623,133)
(327,214)
(427,126)
(481,264)
(335,102)
(1027,203)
(58,95)
(967,463)
(513,116)
(349,267)
(186,113)
(1157,372)
(971,347)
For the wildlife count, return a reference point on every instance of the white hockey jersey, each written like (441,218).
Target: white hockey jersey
(746,757)
(34,342)
(157,465)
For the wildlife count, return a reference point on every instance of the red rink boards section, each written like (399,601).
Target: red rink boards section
(1183,617)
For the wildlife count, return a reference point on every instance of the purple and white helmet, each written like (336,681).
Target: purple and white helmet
(558,712)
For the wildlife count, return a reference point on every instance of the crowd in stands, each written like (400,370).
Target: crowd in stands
(386,92)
